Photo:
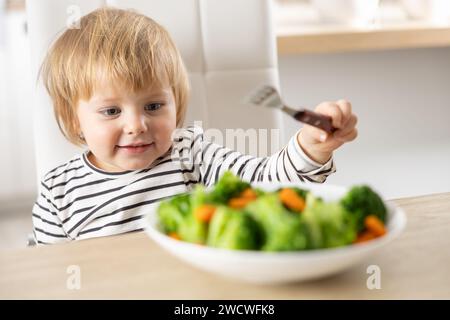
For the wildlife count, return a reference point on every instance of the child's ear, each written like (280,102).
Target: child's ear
(77,130)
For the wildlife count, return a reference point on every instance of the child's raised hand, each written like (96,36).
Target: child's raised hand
(318,144)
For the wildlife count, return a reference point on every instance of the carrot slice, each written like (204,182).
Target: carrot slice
(239,203)
(249,193)
(174,235)
(204,212)
(291,199)
(246,196)
(364,236)
(375,225)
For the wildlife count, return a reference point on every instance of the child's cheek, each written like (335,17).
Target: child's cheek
(163,131)
(103,138)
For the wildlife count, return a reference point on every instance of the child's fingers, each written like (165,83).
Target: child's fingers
(347,127)
(332,110)
(316,133)
(346,108)
(350,136)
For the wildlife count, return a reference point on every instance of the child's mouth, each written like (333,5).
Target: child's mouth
(136,148)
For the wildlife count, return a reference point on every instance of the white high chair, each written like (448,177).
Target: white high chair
(228,47)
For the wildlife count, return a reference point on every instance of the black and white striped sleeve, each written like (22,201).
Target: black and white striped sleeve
(290,164)
(47,225)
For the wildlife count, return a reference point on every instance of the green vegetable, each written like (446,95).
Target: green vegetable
(226,188)
(301,192)
(362,201)
(233,229)
(281,229)
(265,223)
(192,230)
(198,197)
(172,212)
(327,224)
(176,215)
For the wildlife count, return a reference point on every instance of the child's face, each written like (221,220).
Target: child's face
(127,130)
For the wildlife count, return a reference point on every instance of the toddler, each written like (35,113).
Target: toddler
(120,89)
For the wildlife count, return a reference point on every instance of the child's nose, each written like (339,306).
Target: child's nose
(135,124)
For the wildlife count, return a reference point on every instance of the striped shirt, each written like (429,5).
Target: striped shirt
(78,201)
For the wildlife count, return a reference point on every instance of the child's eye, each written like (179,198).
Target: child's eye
(111,112)
(153,106)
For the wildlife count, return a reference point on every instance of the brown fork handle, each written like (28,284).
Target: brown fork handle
(316,120)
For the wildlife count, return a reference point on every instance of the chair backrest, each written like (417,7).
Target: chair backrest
(229,48)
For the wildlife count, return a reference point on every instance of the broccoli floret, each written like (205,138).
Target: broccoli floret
(198,197)
(226,188)
(172,212)
(193,230)
(176,216)
(233,229)
(362,201)
(327,224)
(281,229)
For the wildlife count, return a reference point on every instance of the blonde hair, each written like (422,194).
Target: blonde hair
(127,46)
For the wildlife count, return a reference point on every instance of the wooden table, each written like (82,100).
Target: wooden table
(416,265)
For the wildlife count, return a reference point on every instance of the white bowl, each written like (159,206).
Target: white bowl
(279,267)
(435,10)
(353,12)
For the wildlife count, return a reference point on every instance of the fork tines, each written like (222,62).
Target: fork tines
(262,94)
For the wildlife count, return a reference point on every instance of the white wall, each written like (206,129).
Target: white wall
(17,166)
(402,99)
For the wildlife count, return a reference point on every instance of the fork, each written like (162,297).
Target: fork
(268,96)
